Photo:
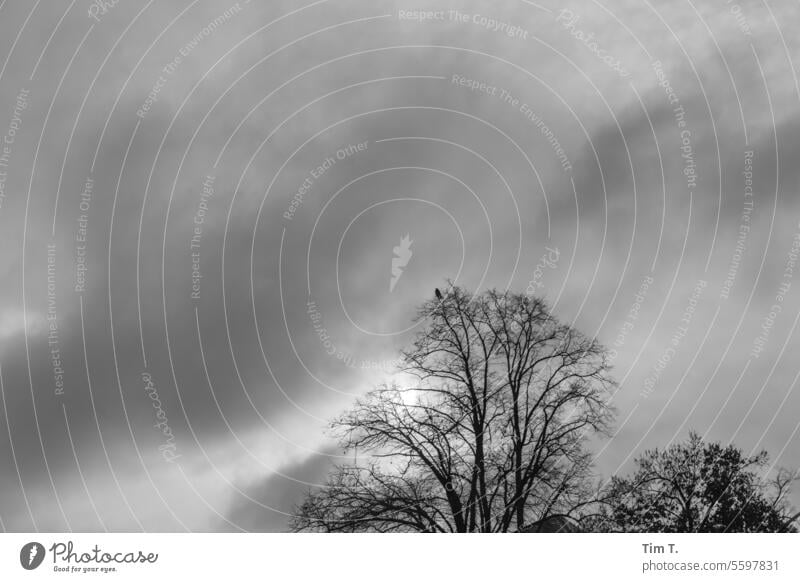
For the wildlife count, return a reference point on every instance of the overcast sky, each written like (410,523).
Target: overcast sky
(200,203)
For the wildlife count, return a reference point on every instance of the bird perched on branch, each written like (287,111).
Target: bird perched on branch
(438,294)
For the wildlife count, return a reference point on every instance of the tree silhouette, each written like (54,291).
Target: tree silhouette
(488,437)
(699,487)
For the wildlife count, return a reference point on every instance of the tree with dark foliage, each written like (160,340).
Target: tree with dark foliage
(489,436)
(699,487)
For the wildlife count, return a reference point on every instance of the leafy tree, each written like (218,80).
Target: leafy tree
(488,437)
(699,487)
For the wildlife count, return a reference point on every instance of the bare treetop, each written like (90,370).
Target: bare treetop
(491,435)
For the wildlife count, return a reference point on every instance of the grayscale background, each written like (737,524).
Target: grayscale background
(196,255)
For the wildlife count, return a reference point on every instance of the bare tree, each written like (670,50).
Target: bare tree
(697,486)
(490,436)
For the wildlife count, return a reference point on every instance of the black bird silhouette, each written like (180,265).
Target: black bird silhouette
(438,294)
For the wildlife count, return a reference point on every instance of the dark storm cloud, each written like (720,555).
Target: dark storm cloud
(270,501)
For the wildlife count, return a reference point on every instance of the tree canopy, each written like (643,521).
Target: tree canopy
(488,437)
(490,432)
(697,486)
